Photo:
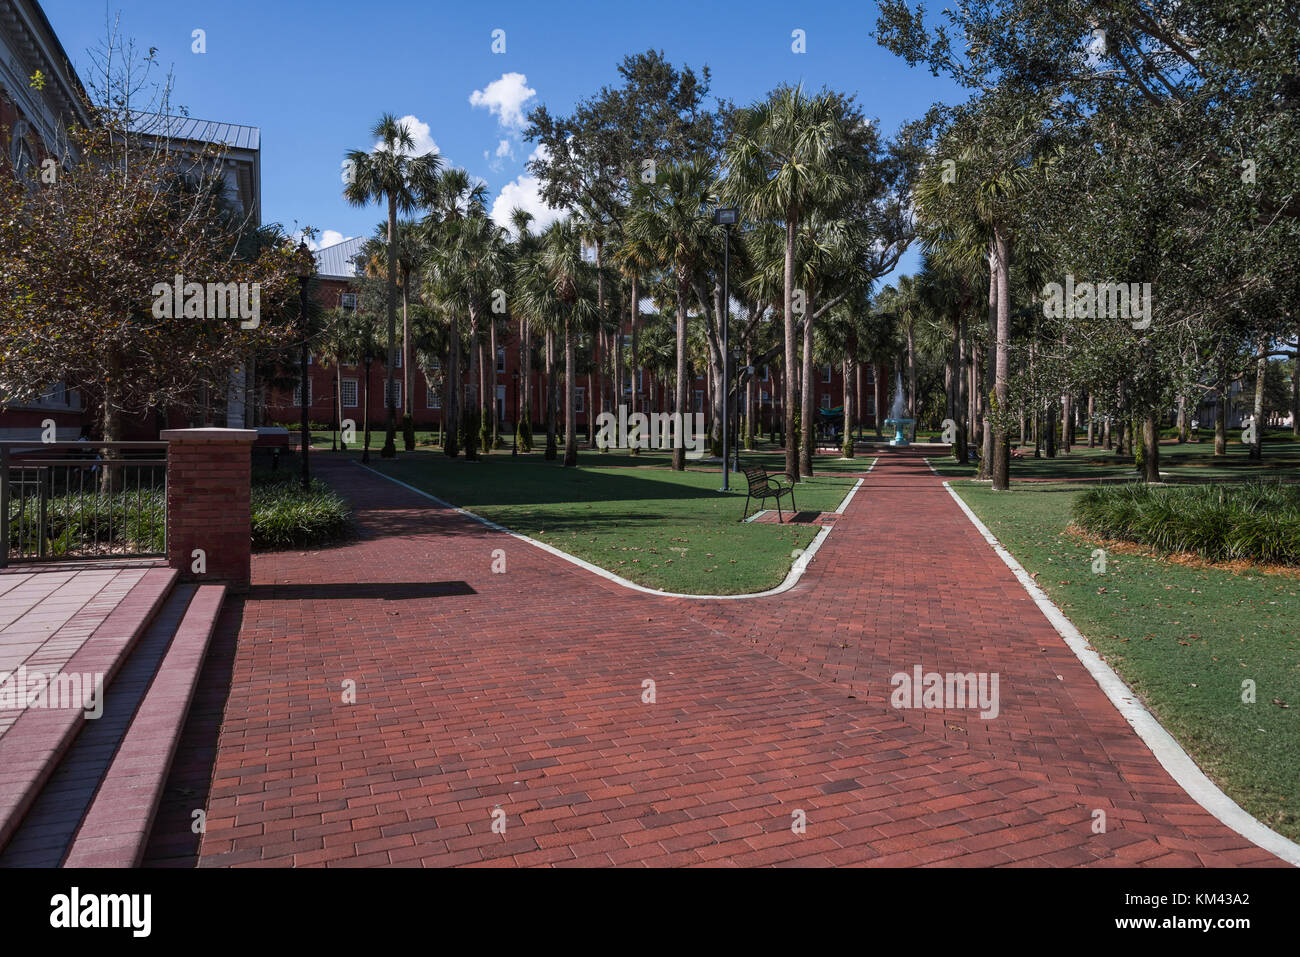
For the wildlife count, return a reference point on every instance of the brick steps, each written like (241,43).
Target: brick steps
(97,807)
(33,746)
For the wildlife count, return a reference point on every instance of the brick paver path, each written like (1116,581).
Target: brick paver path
(520,696)
(46,616)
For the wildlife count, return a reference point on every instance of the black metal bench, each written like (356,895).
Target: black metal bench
(761,488)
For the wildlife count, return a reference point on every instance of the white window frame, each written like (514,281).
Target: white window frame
(826,374)
(432,399)
(501,359)
(397,398)
(579,399)
(297,394)
(348,301)
(356,392)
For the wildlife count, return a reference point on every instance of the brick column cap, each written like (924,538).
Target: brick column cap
(209,435)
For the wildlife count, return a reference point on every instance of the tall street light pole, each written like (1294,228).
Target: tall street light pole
(726,217)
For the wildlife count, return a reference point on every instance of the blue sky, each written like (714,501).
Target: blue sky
(314,75)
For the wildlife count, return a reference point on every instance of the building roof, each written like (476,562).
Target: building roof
(231,135)
(336,262)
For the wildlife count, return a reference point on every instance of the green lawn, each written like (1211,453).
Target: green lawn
(668,530)
(1183,638)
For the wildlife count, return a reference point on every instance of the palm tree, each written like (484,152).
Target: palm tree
(671,220)
(472,260)
(391,174)
(570,278)
(782,167)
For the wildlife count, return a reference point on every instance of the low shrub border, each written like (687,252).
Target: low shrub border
(1258,522)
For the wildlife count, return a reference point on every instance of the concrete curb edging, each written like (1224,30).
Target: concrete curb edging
(1167,750)
(800,565)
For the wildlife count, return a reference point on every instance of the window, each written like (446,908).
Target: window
(398,353)
(432,399)
(640,380)
(349,393)
(871,405)
(764,398)
(397,394)
(871,374)
(765,373)
(435,365)
(826,400)
(501,359)
(348,300)
(826,373)
(699,401)
(579,394)
(297,393)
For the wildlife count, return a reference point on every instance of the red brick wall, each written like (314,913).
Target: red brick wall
(208,476)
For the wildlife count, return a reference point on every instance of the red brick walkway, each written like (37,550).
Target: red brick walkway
(522,694)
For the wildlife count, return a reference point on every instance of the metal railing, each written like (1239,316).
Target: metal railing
(68,501)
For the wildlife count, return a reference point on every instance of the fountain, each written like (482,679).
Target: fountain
(896,418)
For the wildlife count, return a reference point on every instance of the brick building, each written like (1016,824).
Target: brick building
(337,272)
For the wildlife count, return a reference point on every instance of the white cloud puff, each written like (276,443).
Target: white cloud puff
(328,237)
(505,99)
(525,191)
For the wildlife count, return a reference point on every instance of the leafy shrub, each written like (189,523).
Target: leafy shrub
(1255,522)
(284,516)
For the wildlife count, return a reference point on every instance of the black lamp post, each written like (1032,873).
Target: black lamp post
(514,446)
(304,273)
(726,217)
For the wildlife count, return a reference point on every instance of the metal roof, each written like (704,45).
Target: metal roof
(193,129)
(335,262)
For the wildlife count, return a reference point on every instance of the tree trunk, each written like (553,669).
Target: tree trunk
(808,413)
(911,379)
(365,414)
(679,449)
(990,357)
(473,399)
(1001,380)
(1295,391)
(1091,426)
(390,395)
(551,452)
(791,358)
(1221,419)
(846,445)
(1257,412)
(751,408)
(408,381)
(570,395)
(1151,447)
(1181,421)
(492,398)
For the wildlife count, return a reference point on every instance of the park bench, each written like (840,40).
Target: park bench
(761,488)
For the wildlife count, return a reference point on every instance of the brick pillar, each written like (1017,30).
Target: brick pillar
(208,476)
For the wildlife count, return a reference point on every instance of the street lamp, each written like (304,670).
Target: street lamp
(726,217)
(514,446)
(305,270)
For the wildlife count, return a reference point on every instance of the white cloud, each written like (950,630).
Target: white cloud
(419,133)
(505,99)
(505,148)
(525,191)
(327,237)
